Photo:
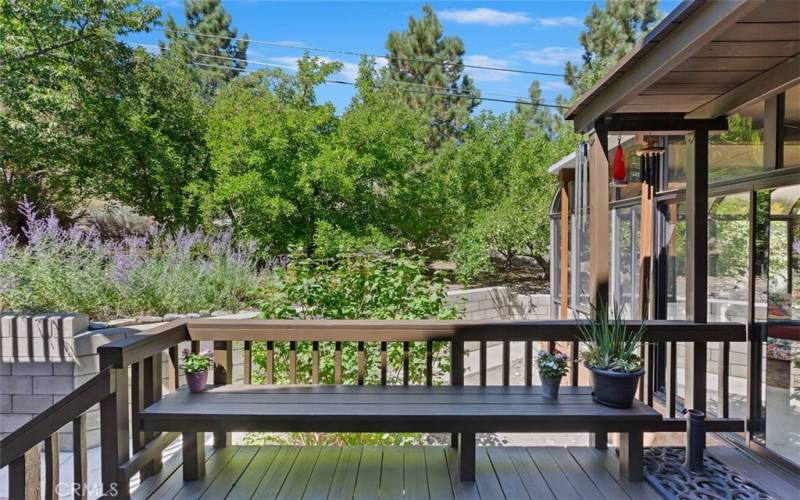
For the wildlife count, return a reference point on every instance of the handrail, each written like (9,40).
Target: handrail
(45,424)
(125,352)
(410,331)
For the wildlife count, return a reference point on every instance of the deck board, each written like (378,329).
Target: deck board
(395,472)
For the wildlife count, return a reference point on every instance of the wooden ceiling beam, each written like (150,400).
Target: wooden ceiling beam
(768,84)
(707,23)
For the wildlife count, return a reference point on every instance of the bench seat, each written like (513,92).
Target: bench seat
(464,410)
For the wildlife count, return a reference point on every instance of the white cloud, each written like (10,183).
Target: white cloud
(559,21)
(349,70)
(482,15)
(485,75)
(552,56)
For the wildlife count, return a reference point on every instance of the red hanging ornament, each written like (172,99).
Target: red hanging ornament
(618,173)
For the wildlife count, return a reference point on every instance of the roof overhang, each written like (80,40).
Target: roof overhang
(705,60)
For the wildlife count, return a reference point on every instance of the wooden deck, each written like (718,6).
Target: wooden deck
(295,472)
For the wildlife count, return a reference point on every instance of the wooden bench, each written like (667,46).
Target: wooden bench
(464,410)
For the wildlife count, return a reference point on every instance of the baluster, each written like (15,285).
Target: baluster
(384,356)
(270,369)
(429,362)
(174,369)
(195,347)
(152,393)
(650,369)
(406,347)
(551,346)
(137,405)
(24,475)
(223,375)
(361,363)
(482,362)
(79,458)
(672,377)
(723,378)
(51,467)
(337,363)
(292,362)
(456,375)
(315,362)
(247,358)
(506,362)
(575,352)
(528,362)
(642,356)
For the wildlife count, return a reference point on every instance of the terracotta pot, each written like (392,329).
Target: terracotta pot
(614,389)
(550,387)
(197,381)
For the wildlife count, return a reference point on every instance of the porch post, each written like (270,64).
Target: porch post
(696,263)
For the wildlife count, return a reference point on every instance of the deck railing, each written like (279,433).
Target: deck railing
(136,363)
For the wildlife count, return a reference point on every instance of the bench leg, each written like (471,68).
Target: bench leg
(598,440)
(466,456)
(631,456)
(194,456)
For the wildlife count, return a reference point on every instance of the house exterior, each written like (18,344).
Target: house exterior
(706,225)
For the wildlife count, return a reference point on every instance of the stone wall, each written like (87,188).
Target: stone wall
(499,302)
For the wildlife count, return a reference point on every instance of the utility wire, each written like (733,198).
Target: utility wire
(399,82)
(359,54)
(446,94)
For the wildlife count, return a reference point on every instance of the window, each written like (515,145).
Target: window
(739,150)
(625,260)
(791,128)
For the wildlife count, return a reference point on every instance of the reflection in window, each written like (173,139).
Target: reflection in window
(676,162)
(728,258)
(740,149)
(791,128)
(676,260)
(625,260)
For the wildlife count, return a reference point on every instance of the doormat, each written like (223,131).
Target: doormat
(664,470)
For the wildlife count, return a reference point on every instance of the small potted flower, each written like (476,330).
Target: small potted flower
(196,367)
(551,368)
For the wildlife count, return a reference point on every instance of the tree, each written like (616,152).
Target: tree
(265,131)
(431,66)
(207,40)
(609,34)
(63,72)
(162,149)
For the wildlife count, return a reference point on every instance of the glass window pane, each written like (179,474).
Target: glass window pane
(740,149)
(791,128)
(625,260)
(676,261)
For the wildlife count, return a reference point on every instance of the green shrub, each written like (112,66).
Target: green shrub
(356,287)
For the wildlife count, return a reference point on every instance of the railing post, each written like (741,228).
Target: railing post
(456,375)
(223,374)
(24,475)
(115,435)
(152,369)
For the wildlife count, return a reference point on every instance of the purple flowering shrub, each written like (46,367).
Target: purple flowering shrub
(74,270)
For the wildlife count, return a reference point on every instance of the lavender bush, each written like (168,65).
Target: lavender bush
(74,270)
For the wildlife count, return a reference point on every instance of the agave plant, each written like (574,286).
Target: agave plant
(611,346)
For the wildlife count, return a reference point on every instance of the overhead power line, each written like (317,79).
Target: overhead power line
(359,54)
(447,94)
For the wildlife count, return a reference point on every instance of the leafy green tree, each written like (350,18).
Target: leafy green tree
(207,40)
(432,64)
(609,34)
(162,127)
(63,74)
(265,133)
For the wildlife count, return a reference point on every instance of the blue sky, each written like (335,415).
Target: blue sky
(532,36)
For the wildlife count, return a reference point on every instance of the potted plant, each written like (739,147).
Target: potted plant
(614,367)
(196,367)
(551,368)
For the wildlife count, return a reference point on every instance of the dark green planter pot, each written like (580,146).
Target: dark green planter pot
(614,389)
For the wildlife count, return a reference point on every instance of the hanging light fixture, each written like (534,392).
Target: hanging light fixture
(618,171)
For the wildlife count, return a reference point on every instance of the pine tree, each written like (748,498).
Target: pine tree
(431,70)
(217,58)
(609,34)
